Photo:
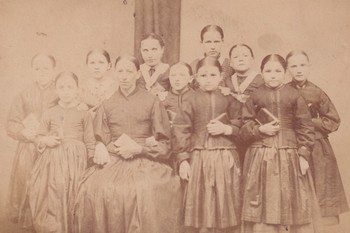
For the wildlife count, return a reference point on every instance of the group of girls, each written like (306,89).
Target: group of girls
(209,147)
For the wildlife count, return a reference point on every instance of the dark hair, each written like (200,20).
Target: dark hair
(99,51)
(69,74)
(273,57)
(241,45)
(154,36)
(52,58)
(129,58)
(209,61)
(189,68)
(212,28)
(296,52)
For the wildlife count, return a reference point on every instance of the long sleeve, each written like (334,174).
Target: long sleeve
(101,129)
(304,128)
(328,120)
(249,132)
(161,133)
(15,117)
(235,115)
(182,131)
(89,137)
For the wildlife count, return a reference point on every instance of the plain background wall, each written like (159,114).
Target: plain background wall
(69,29)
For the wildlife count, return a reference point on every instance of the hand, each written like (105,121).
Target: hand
(29,134)
(185,170)
(151,142)
(270,129)
(128,152)
(101,156)
(217,127)
(162,95)
(225,90)
(51,141)
(304,165)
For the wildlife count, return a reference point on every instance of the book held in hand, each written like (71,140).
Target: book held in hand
(264,116)
(125,140)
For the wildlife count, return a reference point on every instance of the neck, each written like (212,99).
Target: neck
(127,92)
(300,83)
(243,73)
(179,91)
(71,104)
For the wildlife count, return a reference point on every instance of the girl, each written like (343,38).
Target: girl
(65,140)
(278,190)
(131,189)
(22,124)
(154,73)
(245,81)
(203,142)
(100,85)
(323,164)
(212,38)
(180,75)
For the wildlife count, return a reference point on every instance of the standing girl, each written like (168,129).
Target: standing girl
(154,73)
(329,187)
(100,85)
(131,188)
(212,38)
(203,141)
(22,124)
(180,75)
(66,140)
(278,194)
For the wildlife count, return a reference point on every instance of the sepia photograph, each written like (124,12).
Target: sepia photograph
(174,116)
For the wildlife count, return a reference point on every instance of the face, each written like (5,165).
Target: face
(209,77)
(298,67)
(42,70)
(179,77)
(151,51)
(212,43)
(273,74)
(127,74)
(98,65)
(241,59)
(66,89)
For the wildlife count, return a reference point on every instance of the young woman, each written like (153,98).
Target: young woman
(278,194)
(154,73)
(66,141)
(131,188)
(22,124)
(329,187)
(203,143)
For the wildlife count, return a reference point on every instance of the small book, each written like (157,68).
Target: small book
(264,116)
(125,140)
(31,122)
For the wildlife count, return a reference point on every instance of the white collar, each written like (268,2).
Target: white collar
(244,85)
(151,80)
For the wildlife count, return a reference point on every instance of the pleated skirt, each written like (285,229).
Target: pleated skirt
(130,196)
(53,186)
(17,207)
(212,199)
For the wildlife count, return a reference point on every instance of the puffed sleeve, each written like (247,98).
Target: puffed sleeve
(304,128)
(101,129)
(89,137)
(182,130)
(15,117)
(161,133)
(328,120)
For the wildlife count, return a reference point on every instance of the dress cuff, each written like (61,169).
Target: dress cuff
(182,156)
(303,151)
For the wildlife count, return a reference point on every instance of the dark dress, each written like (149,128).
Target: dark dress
(55,176)
(134,195)
(157,82)
(32,100)
(276,194)
(213,193)
(328,184)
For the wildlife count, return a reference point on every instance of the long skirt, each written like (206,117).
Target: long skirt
(328,184)
(18,208)
(276,196)
(132,196)
(213,195)
(53,186)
